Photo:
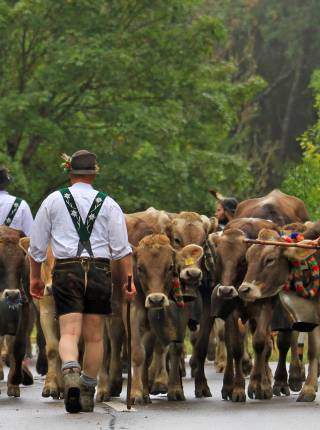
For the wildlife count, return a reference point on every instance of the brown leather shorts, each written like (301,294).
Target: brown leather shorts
(73,291)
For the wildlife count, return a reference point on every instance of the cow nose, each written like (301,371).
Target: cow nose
(12,295)
(193,274)
(156,300)
(227,291)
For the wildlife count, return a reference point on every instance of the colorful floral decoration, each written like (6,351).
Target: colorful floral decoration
(304,276)
(66,162)
(177,292)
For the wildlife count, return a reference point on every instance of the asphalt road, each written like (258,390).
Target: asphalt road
(32,412)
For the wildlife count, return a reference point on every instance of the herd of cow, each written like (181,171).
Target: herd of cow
(189,278)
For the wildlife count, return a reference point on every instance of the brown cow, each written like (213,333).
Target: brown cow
(230,251)
(14,288)
(155,316)
(276,206)
(268,270)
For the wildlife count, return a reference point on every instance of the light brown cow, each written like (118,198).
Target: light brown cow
(155,315)
(53,386)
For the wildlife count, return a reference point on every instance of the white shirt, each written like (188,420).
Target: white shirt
(53,223)
(23,218)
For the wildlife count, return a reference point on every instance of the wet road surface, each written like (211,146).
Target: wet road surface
(32,412)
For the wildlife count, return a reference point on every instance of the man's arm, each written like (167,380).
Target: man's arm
(121,269)
(36,283)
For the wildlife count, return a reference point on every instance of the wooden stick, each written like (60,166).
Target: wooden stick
(129,347)
(276,243)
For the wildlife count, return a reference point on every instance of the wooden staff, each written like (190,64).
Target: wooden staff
(278,243)
(129,347)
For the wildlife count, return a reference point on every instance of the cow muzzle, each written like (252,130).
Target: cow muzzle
(156,300)
(249,291)
(191,275)
(227,292)
(12,298)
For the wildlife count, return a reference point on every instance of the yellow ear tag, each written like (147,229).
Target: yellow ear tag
(189,261)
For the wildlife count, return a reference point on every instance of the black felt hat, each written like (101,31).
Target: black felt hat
(5,178)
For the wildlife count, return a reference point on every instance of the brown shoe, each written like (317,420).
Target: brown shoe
(86,398)
(71,379)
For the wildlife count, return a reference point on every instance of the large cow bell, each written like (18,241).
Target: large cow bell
(9,318)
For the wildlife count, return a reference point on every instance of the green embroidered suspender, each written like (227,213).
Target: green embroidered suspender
(84,230)
(13,211)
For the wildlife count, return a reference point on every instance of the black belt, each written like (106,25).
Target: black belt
(81,260)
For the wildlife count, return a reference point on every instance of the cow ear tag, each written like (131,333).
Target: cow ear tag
(189,261)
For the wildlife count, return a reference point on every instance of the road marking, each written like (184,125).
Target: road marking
(119,406)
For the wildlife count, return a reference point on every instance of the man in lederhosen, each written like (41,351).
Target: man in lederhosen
(86,229)
(14,212)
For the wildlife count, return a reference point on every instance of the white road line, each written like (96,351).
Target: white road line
(119,406)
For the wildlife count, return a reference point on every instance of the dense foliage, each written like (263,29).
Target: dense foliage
(303,180)
(143,84)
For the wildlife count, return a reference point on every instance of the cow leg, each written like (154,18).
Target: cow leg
(200,352)
(117,337)
(1,360)
(234,383)
(175,388)
(296,368)
(158,375)
(247,359)
(192,362)
(102,391)
(260,384)
(13,389)
(138,391)
(308,392)
(221,351)
(53,385)
(42,361)
(280,385)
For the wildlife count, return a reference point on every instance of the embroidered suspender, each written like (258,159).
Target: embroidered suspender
(84,230)
(13,211)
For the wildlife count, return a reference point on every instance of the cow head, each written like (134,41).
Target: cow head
(269,267)
(155,265)
(230,252)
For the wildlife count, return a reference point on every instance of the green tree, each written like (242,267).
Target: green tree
(303,179)
(141,83)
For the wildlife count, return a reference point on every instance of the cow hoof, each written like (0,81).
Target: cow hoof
(115,388)
(27,378)
(295,384)
(176,395)
(306,396)
(281,388)
(13,391)
(238,395)
(226,392)
(158,388)
(1,375)
(102,396)
(53,392)
(203,391)
(141,400)
(259,392)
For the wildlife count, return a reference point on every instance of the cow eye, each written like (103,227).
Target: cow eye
(170,268)
(139,269)
(270,261)
(177,241)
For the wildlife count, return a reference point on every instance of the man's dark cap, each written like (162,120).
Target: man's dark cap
(5,178)
(84,162)
(229,204)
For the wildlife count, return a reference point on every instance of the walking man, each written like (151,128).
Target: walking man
(14,212)
(86,229)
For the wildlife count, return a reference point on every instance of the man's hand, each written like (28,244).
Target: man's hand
(129,295)
(36,288)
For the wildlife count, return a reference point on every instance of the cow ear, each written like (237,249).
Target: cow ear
(24,243)
(214,238)
(210,224)
(216,194)
(296,253)
(190,254)
(164,221)
(267,234)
